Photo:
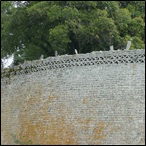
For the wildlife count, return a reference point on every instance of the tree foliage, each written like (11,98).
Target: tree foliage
(34,28)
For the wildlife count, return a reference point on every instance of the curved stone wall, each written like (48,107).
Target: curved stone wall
(95,98)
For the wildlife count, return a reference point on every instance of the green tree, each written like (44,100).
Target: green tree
(34,28)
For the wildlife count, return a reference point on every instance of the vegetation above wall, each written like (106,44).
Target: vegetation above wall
(34,28)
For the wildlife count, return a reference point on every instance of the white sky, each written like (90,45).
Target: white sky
(7,62)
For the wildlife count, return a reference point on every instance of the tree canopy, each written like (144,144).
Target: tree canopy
(30,29)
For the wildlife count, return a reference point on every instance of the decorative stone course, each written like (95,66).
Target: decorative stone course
(64,61)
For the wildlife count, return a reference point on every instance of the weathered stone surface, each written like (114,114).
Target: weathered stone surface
(88,102)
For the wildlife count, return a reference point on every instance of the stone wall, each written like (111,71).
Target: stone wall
(96,98)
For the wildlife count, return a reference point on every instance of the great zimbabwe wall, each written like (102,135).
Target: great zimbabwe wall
(96,98)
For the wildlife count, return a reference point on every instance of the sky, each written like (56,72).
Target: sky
(7,62)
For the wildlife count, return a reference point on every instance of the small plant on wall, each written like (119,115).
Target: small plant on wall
(20,141)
